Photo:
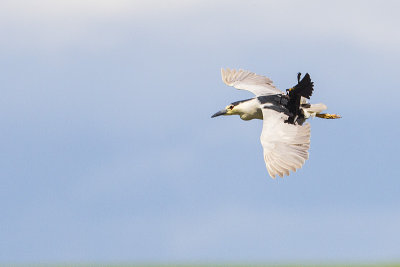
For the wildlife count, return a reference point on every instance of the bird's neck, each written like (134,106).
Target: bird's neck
(249,110)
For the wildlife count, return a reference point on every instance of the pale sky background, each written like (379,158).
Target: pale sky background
(109,154)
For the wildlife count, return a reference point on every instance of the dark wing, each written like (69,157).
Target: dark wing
(304,88)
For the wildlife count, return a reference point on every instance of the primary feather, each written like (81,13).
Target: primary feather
(285,145)
(246,80)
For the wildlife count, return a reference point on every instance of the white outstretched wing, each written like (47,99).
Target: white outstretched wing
(285,145)
(246,80)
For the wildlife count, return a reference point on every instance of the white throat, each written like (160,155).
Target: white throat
(249,110)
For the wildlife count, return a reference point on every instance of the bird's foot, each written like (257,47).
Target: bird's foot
(328,116)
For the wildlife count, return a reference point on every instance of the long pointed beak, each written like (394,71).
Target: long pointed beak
(219,113)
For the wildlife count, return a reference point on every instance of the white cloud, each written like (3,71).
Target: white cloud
(52,24)
(47,9)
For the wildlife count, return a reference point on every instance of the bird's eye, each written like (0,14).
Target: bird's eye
(231,107)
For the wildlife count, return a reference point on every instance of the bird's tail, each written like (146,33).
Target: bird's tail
(312,110)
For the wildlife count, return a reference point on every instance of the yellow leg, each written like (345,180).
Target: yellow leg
(328,116)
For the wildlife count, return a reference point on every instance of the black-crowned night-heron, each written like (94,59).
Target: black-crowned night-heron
(285,138)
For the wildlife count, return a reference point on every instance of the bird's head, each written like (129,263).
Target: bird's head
(230,109)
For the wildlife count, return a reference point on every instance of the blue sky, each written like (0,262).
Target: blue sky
(108,152)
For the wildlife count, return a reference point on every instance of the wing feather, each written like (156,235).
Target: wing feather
(285,145)
(246,80)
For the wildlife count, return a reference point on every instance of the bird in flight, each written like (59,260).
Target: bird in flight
(285,137)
